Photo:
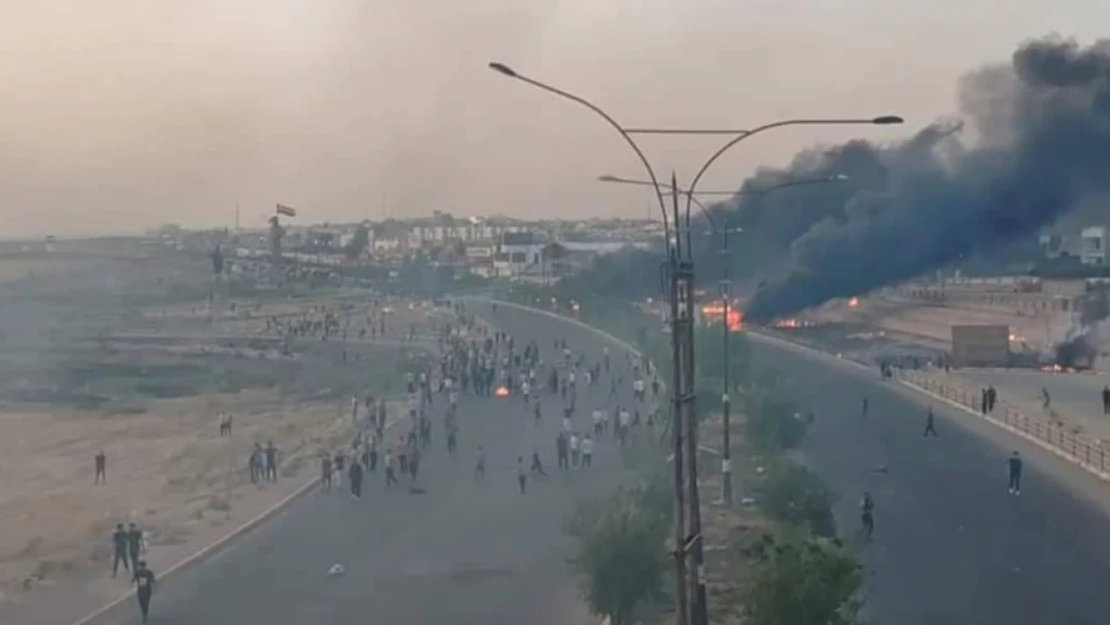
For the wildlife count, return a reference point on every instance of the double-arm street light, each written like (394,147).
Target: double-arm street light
(723,231)
(680,267)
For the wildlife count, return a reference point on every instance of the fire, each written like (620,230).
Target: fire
(716,310)
(501,392)
(787,323)
(853,302)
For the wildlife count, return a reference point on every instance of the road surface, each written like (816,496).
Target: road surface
(465,553)
(950,545)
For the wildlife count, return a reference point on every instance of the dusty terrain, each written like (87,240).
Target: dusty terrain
(130,362)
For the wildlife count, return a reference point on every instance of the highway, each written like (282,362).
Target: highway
(464,553)
(950,545)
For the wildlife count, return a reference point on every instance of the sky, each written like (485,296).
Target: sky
(120,115)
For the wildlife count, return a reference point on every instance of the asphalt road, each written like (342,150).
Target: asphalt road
(950,545)
(464,553)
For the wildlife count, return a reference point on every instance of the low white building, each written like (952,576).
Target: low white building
(1092,245)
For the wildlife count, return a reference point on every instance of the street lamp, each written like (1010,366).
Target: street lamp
(681,597)
(509,72)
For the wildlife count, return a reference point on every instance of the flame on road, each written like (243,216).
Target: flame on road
(853,302)
(501,392)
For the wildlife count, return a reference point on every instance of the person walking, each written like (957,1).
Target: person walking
(143,579)
(930,426)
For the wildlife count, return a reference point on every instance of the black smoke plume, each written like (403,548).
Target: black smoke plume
(1041,145)
(1080,347)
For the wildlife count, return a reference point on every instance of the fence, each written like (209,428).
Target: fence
(1088,453)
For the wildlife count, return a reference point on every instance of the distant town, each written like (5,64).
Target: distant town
(538,251)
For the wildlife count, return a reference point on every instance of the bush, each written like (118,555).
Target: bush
(803,581)
(620,556)
(771,423)
(794,495)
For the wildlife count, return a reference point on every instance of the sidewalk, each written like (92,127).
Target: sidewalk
(1057,433)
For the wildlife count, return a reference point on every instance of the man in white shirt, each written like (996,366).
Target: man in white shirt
(638,388)
(574,449)
(624,421)
(587,451)
(599,421)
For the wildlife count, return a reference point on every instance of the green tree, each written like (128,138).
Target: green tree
(709,349)
(803,581)
(794,495)
(620,556)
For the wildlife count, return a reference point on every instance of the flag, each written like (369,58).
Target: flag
(282,209)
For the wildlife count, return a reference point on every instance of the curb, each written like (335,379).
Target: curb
(581,324)
(210,548)
(221,543)
(919,389)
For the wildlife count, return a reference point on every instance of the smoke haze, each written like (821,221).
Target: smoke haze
(1034,142)
(120,115)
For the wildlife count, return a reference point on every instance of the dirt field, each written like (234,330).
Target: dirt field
(168,470)
(126,362)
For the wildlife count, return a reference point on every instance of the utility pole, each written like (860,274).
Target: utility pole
(694,543)
(726,294)
(673,248)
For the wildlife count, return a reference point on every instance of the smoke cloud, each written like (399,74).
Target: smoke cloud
(1033,141)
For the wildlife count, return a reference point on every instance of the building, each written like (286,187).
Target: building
(1092,245)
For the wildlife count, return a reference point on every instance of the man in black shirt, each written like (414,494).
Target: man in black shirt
(144,580)
(119,549)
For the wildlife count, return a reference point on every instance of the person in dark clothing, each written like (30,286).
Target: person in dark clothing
(372,455)
(355,475)
(985,400)
(119,549)
(1106,400)
(143,578)
(992,398)
(325,471)
(864,407)
(1014,466)
(271,462)
(100,461)
(930,427)
(480,468)
(521,476)
(537,464)
(135,545)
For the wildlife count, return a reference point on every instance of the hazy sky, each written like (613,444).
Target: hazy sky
(118,115)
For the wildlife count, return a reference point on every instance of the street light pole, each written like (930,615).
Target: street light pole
(673,250)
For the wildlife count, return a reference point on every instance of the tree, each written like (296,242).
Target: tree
(803,581)
(620,556)
(710,350)
(794,495)
(358,242)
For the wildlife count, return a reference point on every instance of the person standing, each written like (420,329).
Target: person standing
(390,469)
(574,450)
(1014,467)
(271,461)
(143,578)
(521,476)
(355,475)
(136,545)
(587,451)
(325,471)
(119,549)
(100,461)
